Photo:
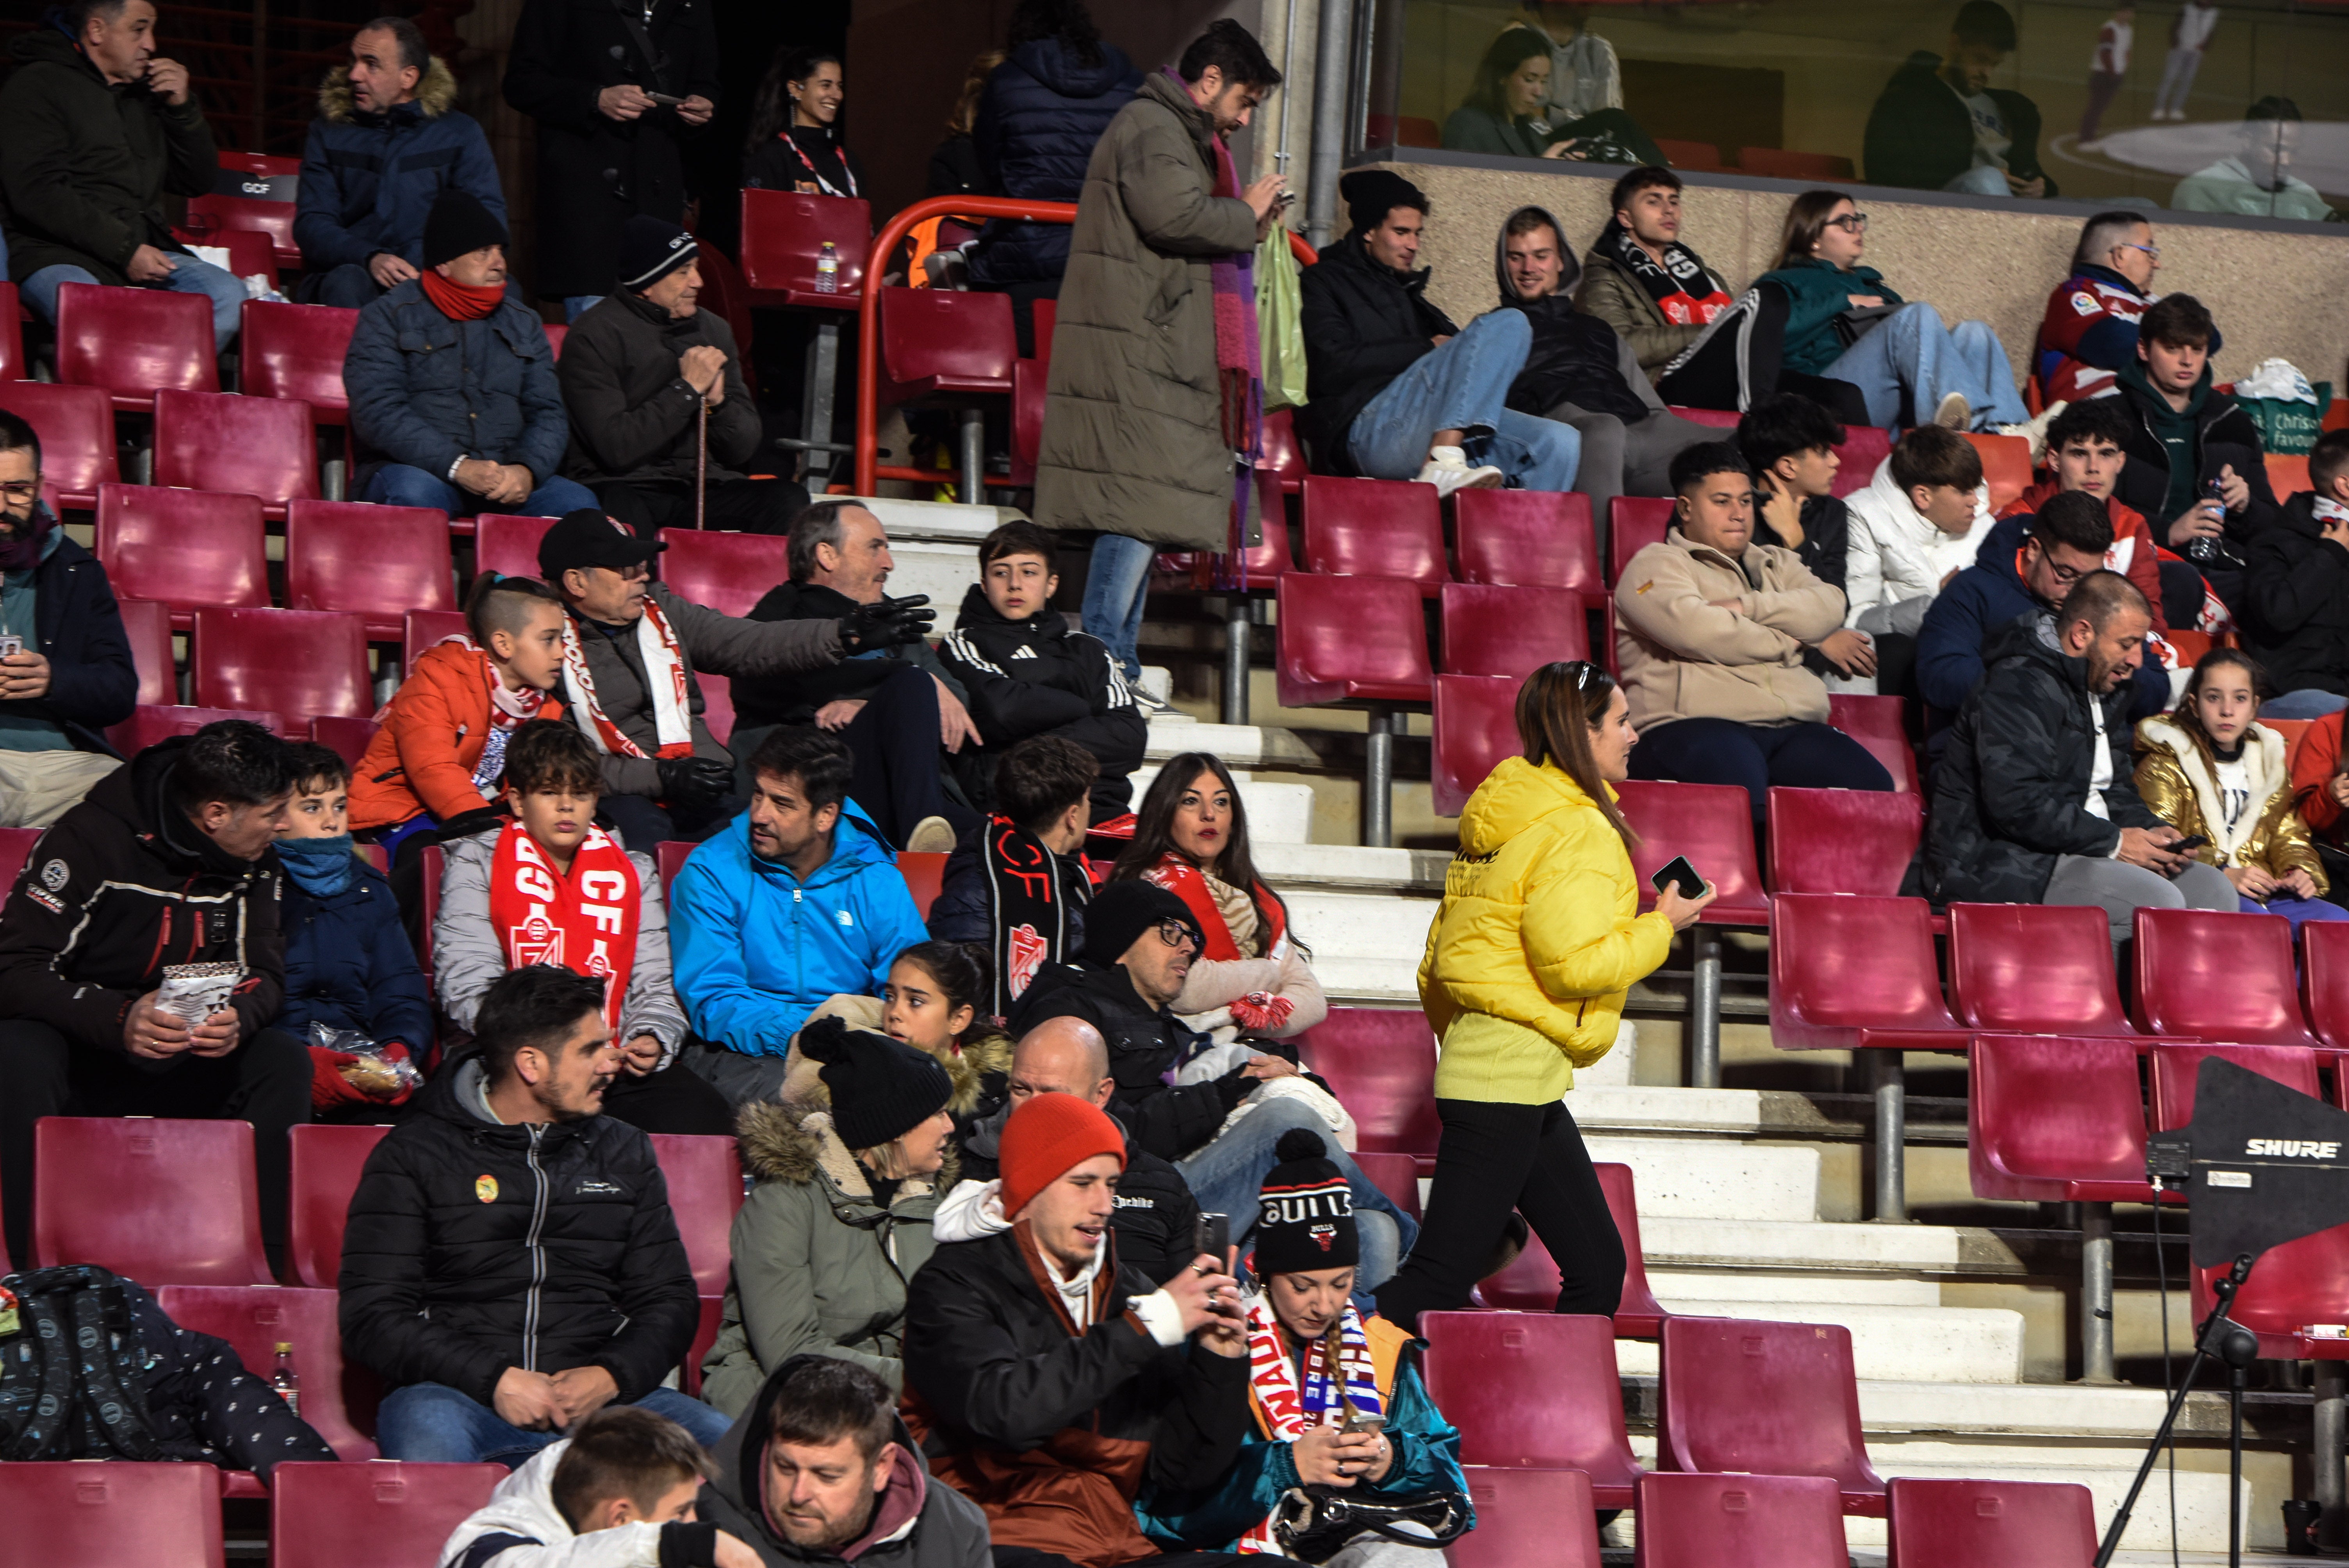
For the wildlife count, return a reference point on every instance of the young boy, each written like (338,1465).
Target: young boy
(552,887)
(2084,453)
(1028,674)
(619,1492)
(1918,524)
(991,894)
(349,963)
(1790,443)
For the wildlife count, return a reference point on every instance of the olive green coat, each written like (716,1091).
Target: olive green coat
(1132,439)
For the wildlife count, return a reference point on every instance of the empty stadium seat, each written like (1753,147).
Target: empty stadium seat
(1489,630)
(299,663)
(2205,974)
(1532,1390)
(75,425)
(15,844)
(1530,539)
(1758,1520)
(1774,1398)
(420,629)
(2324,984)
(941,346)
(296,351)
(147,625)
(2006,466)
(1849,972)
(326,1165)
(147,725)
(1713,825)
(507,544)
(187,549)
(704,1176)
(783,235)
(2174,1067)
(925,875)
(2056,1118)
(2295,1286)
(1779,164)
(1375,528)
(1863,450)
(1380,1062)
(729,572)
(199,1218)
(134,342)
(1842,841)
(256,1319)
(1362,642)
(1634,522)
(73,1514)
(273,218)
(381,1515)
(1281,454)
(1475,726)
(346,738)
(2034,969)
(1876,723)
(1530,1282)
(1396,1175)
(1526,1516)
(1939,1523)
(1260,564)
(379,562)
(265,447)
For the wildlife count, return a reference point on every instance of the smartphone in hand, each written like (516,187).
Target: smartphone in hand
(1678,874)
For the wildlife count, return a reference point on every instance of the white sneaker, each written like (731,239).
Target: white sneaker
(1447,469)
(2036,430)
(1955,413)
(931,836)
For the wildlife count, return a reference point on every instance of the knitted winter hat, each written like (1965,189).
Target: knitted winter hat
(881,1088)
(650,247)
(1308,1219)
(459,225)
(1369,194)
(1045,1138)
(1122,910)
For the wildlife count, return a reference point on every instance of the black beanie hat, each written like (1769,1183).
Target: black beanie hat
(881,1088)
(650,248)
(1307,1220)
(1125,909)
(1369,194)
(459,225)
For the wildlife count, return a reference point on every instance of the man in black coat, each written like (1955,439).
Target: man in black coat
(511,1263)
(71,673)
(1939,125)
(2034,799)
(2296,591)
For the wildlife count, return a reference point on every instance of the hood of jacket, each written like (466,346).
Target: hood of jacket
(2032,636)
(1163,87)
(457,1095)
(740,1456)
(1514,797)
(793,1144)
(52,45)
(2267,760)
(139,796)
(436,94)
(1055,65)
(2202,407)
(1569,277)
(856,846)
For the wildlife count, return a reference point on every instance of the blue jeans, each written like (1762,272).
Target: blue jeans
(2308,702)
(189,275)
(1913,350)
(2299,911)
(1116,584)
(397,484)
(576,305)
(1226,1176)
(434,1423)
(1461,386)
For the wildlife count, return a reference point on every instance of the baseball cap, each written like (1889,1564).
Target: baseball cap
(588,538)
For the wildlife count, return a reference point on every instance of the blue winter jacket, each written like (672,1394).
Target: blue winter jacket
(368,181)
(752,949)
(348,964)
(1038,116)
(426,390)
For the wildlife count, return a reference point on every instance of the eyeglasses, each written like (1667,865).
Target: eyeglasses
(2153,251)
(21,489)
(1850,223)
(2067,575)
(1176,934)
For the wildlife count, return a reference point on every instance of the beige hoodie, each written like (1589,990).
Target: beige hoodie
(1682,656)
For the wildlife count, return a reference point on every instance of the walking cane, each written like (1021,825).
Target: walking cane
(701,462)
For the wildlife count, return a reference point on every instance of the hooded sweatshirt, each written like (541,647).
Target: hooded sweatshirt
(1576,357)
(519,1527)
(1893,552)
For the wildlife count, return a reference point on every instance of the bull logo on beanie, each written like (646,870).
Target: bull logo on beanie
(1323,1235)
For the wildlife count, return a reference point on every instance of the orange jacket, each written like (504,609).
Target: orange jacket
(423,758)
(2313,764)
(2143,567)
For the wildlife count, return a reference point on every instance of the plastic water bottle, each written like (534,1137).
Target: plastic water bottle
(827,270)
(285,1380)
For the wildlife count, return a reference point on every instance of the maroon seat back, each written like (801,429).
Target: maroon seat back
(1863,451)
(705,1188)
(556,331)
(1753,1520)
(198,1219)
(2175,1067)
(1530,1283)
(326,1165)
(1713,825)
(379,562)
(1490,629)
(255,1320)
(508,544)
(420,629)
(1475,726)
(2298,1284)
(298,663)
(1396,1175)
(68,1513)
(2034,969)
(147,625)
(2056,1118)
(1374,528)
(1876,723)
(1264,563)
(1842,841)
(1531,539)
(728,572)
(926,877)
(346,738)
(670,857)
(296,351)
(184,548)
(1532,1390)
(1634,522)
(380,1515)
(1282,456)
(1380,1061)
(75,425)
(939,343)
(134,342)
(1842,963)
(15,844)
(1774,1398)
(784,233)
(717,705)
(1350,639)
(1526,1516)
(247,445)
(272,218)
(1939,1523)
(2205,974)
(1029,380)
(147,725)
(2324,982)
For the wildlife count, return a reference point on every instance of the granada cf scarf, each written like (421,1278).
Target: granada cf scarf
(585,923)
(1669,283)
(1288,1404)
(1028,906)
(664,677)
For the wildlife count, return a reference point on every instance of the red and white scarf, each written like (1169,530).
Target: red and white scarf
(586,922)
(1289,1405)
(663,678)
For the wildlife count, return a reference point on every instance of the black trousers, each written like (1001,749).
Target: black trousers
(897,774)
(264,1082)
(675,1099)
(1494,1159)
(644,823)
(1740,365)
(739,506)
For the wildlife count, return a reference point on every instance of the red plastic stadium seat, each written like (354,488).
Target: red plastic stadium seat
(1400,130)
(1282,456)
(2034,969)
(16,843)
(556,331)
(420,629)
(1262,563)
(1718,418)
(2297,1284)
(198,1219)
(2006,466)
(1526,1516)
(1778,163)
(1758,1520)
(1531,539)
(1350,639)
(1634,522)
(2287,474)
(1530,1283)
(1990,1524)
(379,562)
(670,856)
(1374,528)
(261,163)
(255,1320)
(729,572)
(75,425)
(265,446)
(1475,728)
(2174,1069)
(1713,825)
(428,905)
(705,1188)
(1863,451)
(147,725)
(272,218)
(717,705)
(12,334)
(346,738)
(299,663)
(296,351)
(380,1515)
(925,875)
(1494,631)
(72,1515)
(147,625)
(939,346)
(1532,1390)
(326,1165)
(508,544)
(1853,973)
(1396,1175)
(1775,1399)
(1842,841)
(250,253)
(2324,984)
(134,342)
(2056,1118)
(1700,156)
(189,549)
(2202,974)
(1876,723)
(1380,1062)
(1028,378)
(784,233)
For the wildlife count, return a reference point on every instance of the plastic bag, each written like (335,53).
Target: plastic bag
(1280,321)
(381,1073)
(2286,406)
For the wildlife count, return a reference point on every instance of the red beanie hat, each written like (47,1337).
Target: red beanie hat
(1046,1137)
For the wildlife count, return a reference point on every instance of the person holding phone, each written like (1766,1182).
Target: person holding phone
(1537,939)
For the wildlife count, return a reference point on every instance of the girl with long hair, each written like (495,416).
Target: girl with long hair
(1537,939)
(794,141)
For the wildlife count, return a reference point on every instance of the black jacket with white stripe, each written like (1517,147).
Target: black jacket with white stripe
(1036,676)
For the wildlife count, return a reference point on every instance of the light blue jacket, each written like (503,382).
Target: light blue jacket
(753,949)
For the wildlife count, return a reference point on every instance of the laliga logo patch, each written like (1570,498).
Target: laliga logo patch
(1323,1235)
(485,1188)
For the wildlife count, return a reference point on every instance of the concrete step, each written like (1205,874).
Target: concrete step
(1277,813)
(1366,946)
(1239,745)
(1969,1345)
(1715,1178)
(1409,876)
(1685,1242)
(1863,1290)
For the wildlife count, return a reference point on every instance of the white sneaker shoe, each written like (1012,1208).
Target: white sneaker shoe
(2036,430)
(1955,413)
(931,836)
(1447,469)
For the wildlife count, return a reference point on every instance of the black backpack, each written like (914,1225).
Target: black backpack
(71,1375)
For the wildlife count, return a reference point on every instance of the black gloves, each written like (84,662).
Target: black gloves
(886,623)
(695,781)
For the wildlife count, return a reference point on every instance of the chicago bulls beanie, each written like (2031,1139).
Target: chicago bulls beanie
(1307,1220)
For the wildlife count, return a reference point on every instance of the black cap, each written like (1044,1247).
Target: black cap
(588,538)
(459,225)
(1307,1219)
(881,1088)
(1122,910)
(1369,194)
(650,247)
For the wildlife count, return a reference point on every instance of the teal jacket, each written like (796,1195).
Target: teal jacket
(1818,292)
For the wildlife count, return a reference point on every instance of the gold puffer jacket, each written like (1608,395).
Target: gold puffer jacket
(2175,776)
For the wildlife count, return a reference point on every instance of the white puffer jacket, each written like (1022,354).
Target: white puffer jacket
(1895,553)
(519,1527)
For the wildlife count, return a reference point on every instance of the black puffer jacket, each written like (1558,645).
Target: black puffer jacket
(1170,1120)
(2296,600)
(632,416)
(1036,676)
(473,1247)
(2008,793)
(1364,325)
(1576,357)
(2224,436)
(1155,1214)
(1041,113)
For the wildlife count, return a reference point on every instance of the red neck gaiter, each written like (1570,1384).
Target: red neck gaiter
(457,300)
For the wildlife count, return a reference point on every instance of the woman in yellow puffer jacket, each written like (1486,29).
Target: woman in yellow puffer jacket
(1537,938)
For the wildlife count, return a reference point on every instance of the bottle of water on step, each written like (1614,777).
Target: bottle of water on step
(827,268)
(285,1380)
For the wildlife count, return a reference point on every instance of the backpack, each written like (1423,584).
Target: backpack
(72,1370)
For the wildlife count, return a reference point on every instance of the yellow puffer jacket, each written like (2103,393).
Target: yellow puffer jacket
(1537,938)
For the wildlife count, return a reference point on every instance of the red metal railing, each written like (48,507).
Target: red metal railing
(869,471)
